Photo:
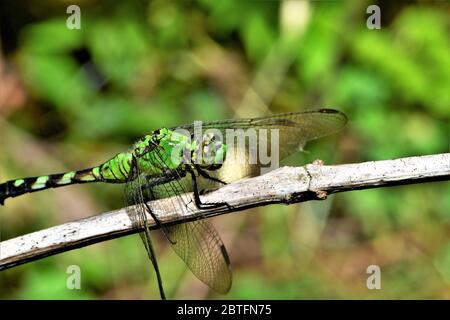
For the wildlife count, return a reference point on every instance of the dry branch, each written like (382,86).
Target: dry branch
(285,185)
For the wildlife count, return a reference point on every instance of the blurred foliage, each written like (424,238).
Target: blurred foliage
(72,98)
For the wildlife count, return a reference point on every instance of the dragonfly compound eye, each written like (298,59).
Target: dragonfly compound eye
(214,155)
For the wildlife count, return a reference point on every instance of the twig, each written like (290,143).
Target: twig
(285,185)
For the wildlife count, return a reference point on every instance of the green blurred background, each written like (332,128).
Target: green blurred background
(70,99)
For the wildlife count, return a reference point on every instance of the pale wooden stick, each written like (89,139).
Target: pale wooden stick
(285,185)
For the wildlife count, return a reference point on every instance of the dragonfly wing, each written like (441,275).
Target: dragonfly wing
(294,130)
(136,210)
(134,200)
(200,246)
(197,243)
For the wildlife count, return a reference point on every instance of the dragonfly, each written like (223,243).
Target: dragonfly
(179,164)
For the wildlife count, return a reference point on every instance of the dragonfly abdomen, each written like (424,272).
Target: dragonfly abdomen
(14,188)
(115,170)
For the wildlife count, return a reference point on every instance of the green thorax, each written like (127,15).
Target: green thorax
(163,149)
(167,149)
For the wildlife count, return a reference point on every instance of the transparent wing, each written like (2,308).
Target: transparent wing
(201,248)
(294,130)
(134,199)
(136,210)
(197,242)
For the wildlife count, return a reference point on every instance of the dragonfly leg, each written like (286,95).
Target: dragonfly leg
(155,218)
(154,181)
(148,189)
(207,176)
(197,200)
(157,221)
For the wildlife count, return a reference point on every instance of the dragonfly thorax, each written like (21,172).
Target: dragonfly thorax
(176,149)
(166,147)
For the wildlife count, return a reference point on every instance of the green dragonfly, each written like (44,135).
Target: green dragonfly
(179,164)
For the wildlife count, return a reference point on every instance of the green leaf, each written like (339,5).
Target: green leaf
(258,36)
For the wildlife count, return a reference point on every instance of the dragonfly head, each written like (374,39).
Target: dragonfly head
(210,153)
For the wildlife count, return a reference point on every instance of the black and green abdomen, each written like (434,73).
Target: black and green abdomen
(115,170)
